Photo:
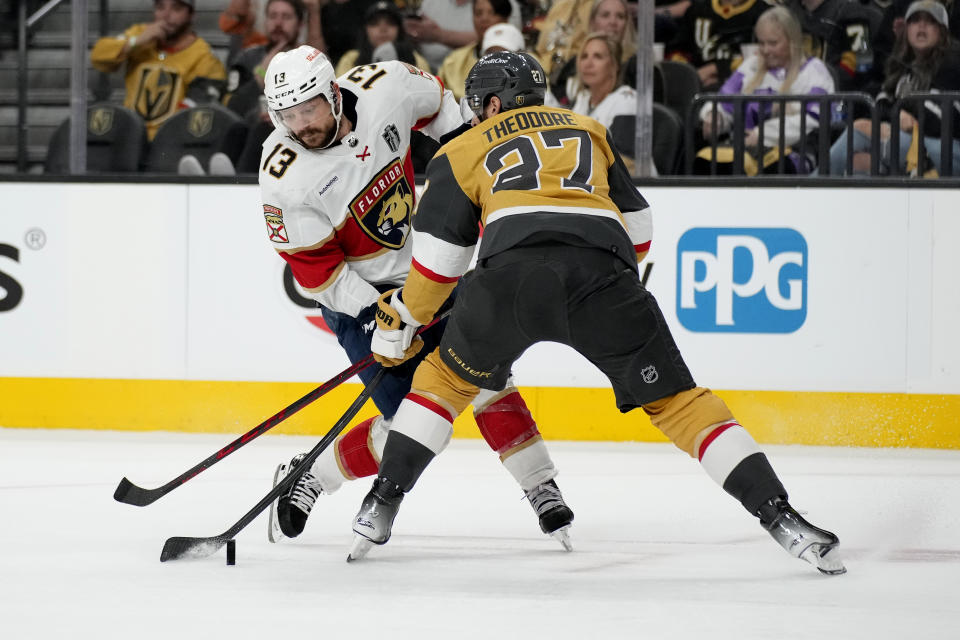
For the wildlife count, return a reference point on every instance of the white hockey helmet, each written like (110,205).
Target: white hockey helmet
(297,76)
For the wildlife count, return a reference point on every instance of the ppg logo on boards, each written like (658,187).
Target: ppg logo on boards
(742,280)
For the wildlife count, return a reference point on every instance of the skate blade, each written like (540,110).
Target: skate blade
(562,535)
(274,534)
(825,558)
(359,549)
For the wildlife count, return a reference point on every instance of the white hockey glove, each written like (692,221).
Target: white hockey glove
(395,340)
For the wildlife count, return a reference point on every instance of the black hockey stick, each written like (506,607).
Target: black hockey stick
(181,547)
(129,493)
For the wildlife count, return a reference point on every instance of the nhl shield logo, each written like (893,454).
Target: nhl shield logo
(392,137)
(201,122)
(101,121)
(384,207)
(649,374)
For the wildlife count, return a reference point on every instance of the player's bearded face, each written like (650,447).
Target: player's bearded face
(312,122)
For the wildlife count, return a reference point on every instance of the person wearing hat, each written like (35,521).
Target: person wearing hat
(167,65)
(486,13)
(382,37)
(894,19)
(925,58)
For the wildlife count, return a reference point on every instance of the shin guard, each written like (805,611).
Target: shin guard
(356,454)
(509,429)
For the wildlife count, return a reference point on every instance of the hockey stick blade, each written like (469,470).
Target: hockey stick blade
(179,547)
(129,493)
(184,547)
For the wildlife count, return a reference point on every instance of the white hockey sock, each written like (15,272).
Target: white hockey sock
(531,465)
(726,446)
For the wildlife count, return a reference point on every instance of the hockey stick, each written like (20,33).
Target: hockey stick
(129,493)
(182,547)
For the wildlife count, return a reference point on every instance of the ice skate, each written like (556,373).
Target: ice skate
(288,513)
(555,516)
(800,538)
(374,521)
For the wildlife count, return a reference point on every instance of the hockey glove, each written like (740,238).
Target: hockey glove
(367,319)
(395,339)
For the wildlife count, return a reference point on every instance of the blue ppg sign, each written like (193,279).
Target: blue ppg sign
(742,280)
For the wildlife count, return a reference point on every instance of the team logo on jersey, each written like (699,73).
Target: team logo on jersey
(392,137)
(383,208)
(275,226)
(101,121)
(201,122)
(157,90)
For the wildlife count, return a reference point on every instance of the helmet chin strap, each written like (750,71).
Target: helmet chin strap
(337,114)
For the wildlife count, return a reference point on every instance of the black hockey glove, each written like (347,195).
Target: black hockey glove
(367,319)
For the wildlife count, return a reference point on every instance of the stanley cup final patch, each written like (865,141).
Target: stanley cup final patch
(274,217)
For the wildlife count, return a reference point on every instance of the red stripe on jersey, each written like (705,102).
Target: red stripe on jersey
(714,435)
(427,403)
(314,268)
(408,172)
(640,248)
(431,275)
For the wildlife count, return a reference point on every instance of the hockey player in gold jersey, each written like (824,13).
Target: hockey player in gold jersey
(563,231)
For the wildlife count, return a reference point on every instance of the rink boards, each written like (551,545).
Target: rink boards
(823,316)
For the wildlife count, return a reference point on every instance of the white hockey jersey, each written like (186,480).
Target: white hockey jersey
(341,216)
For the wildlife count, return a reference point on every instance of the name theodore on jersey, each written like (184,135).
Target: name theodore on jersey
(528,120)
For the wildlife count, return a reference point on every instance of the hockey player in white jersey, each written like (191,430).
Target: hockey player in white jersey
(337,184)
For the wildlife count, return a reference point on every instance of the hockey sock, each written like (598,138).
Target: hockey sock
(733,459)
(420,429)
(404,459)
(509,429)
(354,455)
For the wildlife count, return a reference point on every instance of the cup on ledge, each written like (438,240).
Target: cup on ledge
(748,49)
(657,51)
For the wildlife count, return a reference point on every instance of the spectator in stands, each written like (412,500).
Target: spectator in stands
(243,22)
(925,58)
(168,66)
(436,27)
(839,32)
(600,92)
(249,28)
(667,18)
(382,37)
(893,22)
(611,17)
(283,24)
(780,67)
(566,27)
(341,21)
(710,35)
(486,13)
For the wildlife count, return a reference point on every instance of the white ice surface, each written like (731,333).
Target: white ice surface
(660,551)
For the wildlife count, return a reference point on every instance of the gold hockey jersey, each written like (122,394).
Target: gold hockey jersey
(526,175)
(157,81)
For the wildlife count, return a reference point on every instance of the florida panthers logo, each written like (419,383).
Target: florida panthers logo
(383,208)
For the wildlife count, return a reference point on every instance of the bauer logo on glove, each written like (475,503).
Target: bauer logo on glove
(395,340)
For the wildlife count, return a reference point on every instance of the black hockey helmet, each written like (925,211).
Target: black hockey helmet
(516,78)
